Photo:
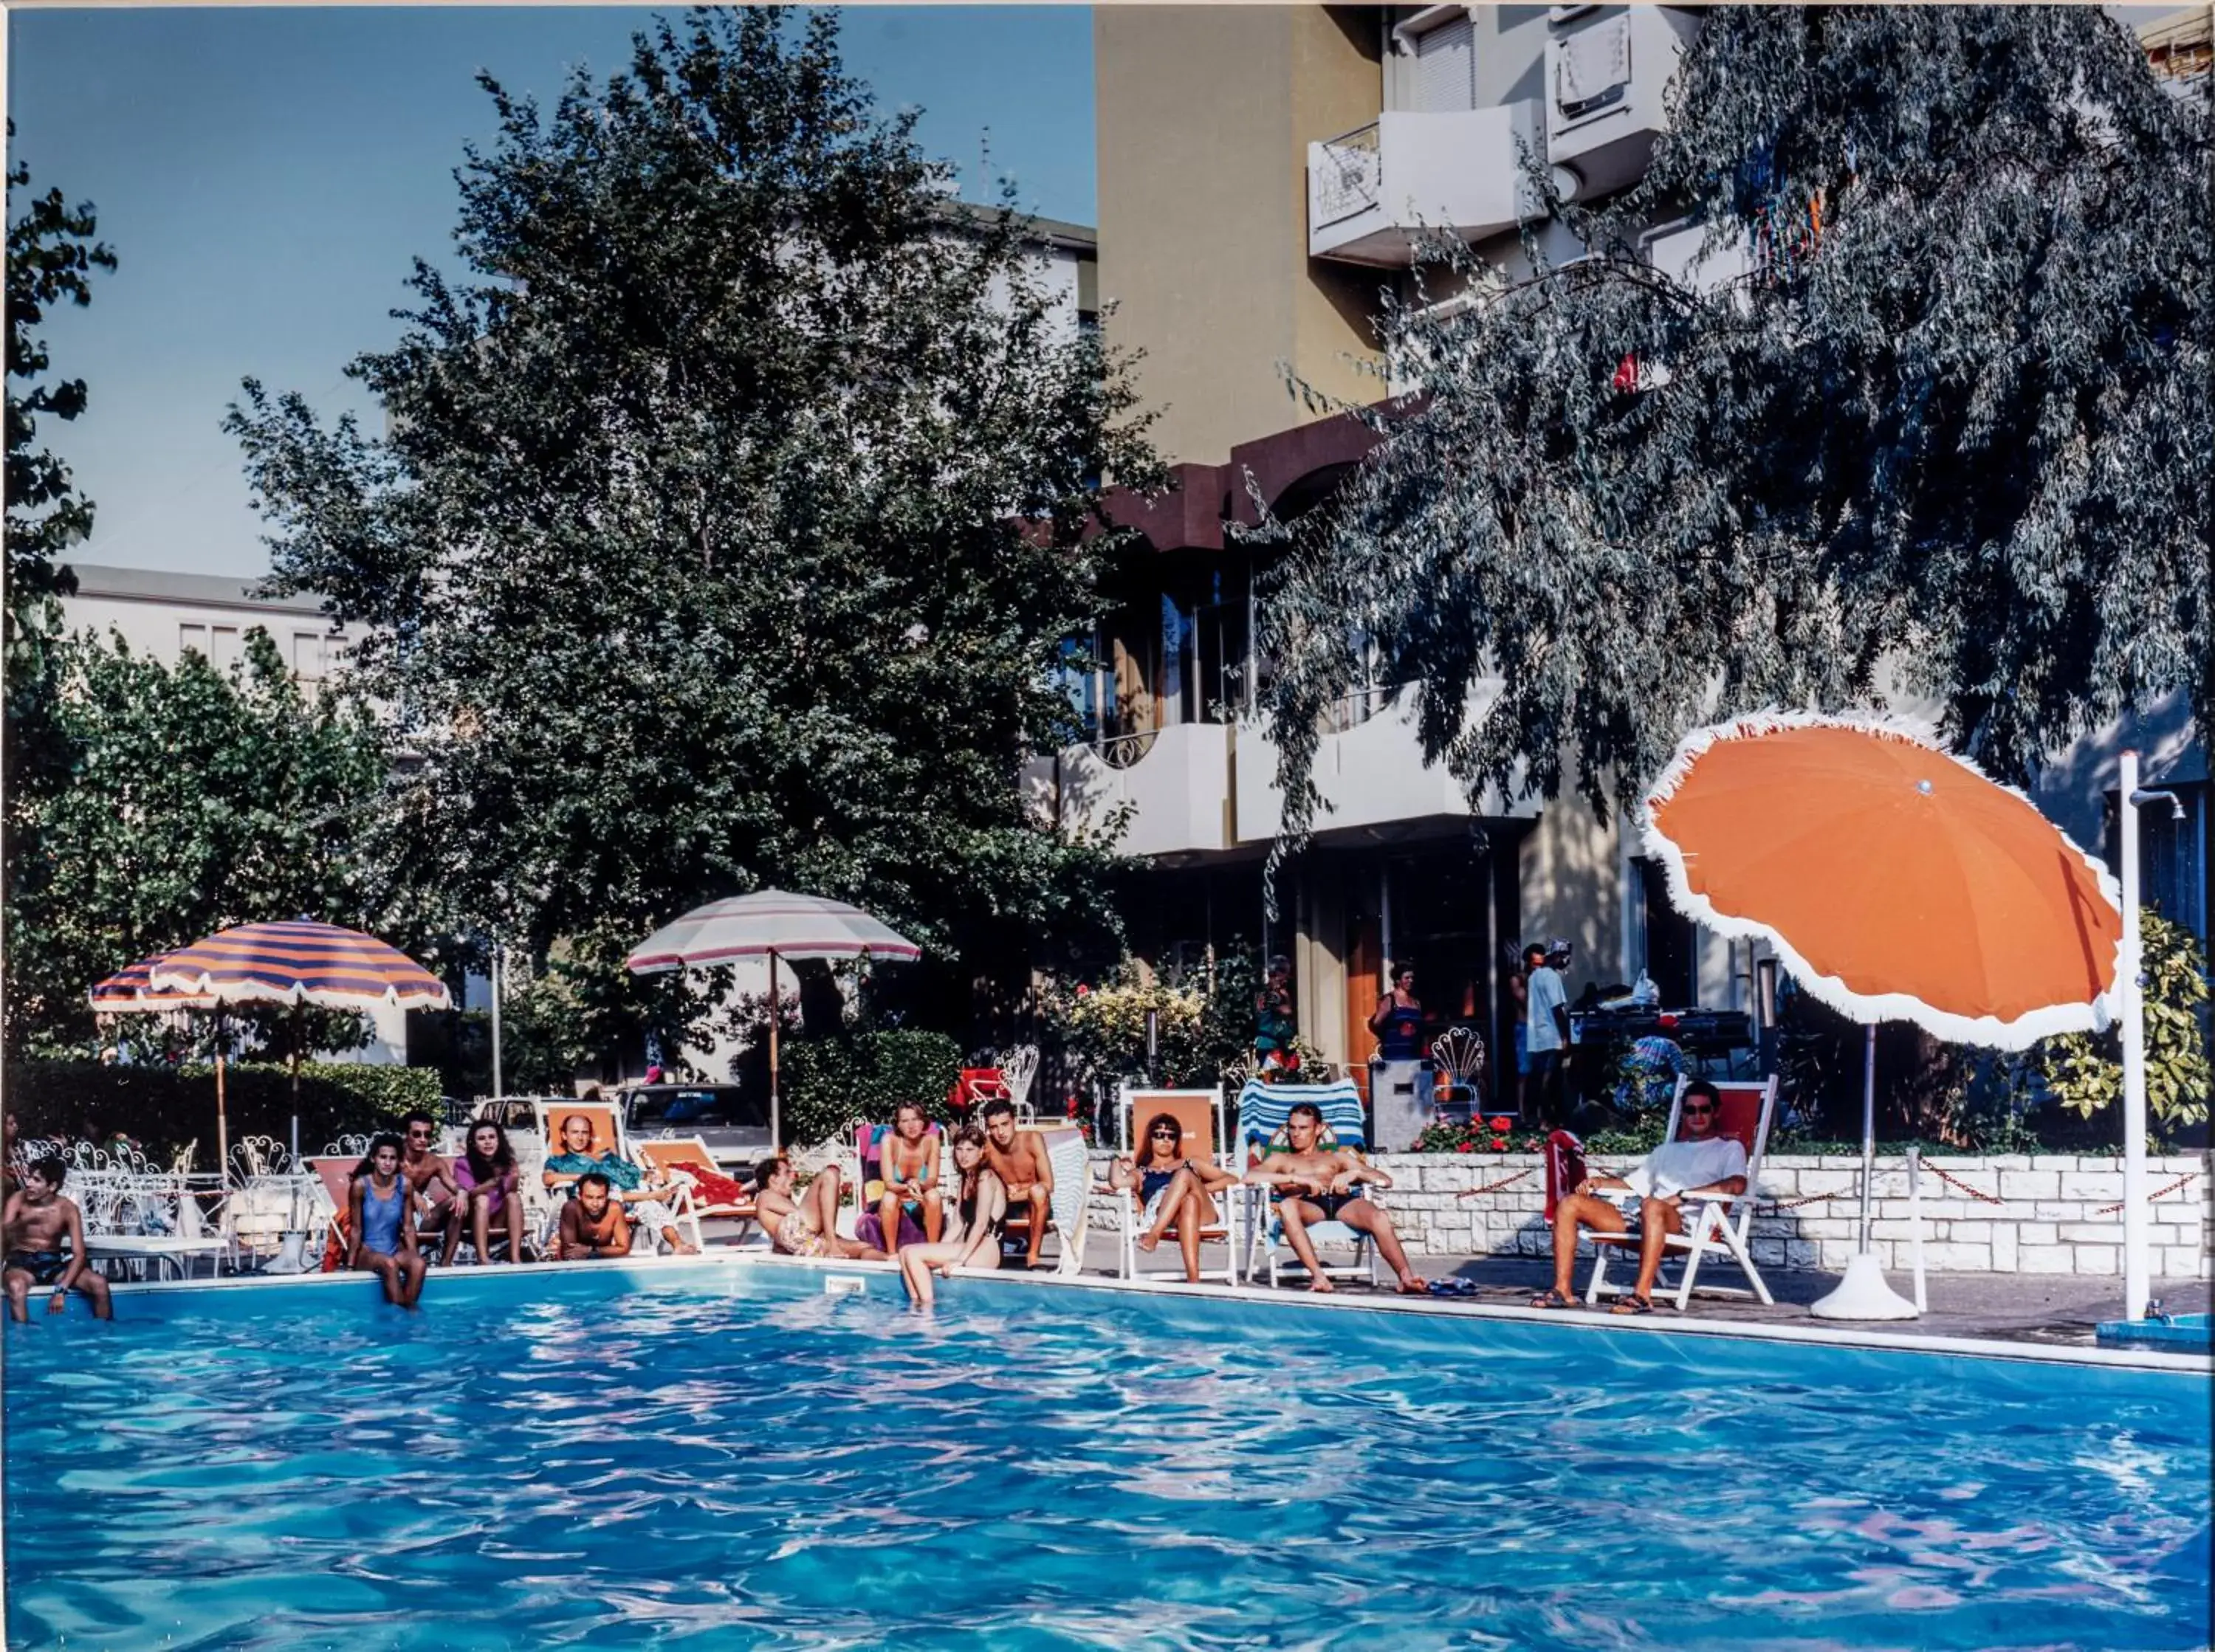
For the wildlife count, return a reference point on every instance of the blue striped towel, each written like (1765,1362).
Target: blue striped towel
(1263,1108)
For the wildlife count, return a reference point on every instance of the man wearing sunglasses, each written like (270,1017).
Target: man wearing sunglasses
(1699,1160)
(431,1190)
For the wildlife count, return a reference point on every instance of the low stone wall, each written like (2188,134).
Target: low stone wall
(2007,1213)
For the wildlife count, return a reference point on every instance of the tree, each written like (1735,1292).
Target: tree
(727,523)
(1953,423)
(194,798)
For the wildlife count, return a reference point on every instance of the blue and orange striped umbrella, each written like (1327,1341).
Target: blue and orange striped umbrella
(299,963)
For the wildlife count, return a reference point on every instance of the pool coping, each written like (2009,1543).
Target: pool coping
(1589,1320)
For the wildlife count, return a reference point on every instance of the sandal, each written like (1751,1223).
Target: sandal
(1632,1303)
(1552,1299)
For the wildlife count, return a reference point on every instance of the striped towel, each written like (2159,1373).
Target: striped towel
(1263,1108)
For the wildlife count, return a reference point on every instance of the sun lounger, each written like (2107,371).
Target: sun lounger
(690,1157)
(1066,1223)
(1715,1224)
(1200,1114)
(1262,1111)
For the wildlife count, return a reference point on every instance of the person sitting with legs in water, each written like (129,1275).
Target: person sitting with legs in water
(980,1212)
(1312,1183)
(431,1190)
(908,1166)
(45,1237)
(485,1172)
(807,1224)
(377,1201)
(1698,1161)
(1176,1191)
(592,1223)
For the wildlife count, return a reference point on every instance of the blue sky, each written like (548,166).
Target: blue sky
(266,174)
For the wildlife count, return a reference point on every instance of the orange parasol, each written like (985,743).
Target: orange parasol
(1895,881)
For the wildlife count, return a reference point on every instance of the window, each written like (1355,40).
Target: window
(192,639)
(308,661)
(223,646)
(2173,856)
(1445,66)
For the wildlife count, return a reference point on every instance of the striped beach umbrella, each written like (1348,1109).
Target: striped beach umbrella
(769,924)
(298,964)
(132,992)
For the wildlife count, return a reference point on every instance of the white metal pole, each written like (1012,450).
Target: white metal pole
(1868,1132)
(1915,1219)
(2138,1285)
(496,1089)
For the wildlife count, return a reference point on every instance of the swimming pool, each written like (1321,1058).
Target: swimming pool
(725,1456)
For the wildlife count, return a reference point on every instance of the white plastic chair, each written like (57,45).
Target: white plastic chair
(1715,1224)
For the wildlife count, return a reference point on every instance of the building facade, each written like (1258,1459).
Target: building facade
(1264,174)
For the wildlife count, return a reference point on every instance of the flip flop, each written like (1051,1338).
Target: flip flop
(1453,1287)
(1551,1300)
(1632,1303)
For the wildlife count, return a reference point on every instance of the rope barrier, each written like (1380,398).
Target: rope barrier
(1776,1207)
(1495,1187)
(1958,1186)
(2185,1180)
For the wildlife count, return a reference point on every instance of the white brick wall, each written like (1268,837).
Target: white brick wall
(2050,1219)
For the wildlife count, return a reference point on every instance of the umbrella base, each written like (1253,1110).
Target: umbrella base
(1863,1294)
(292,1256)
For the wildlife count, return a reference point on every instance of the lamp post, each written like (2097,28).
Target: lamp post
(2130,982)
(496,1090)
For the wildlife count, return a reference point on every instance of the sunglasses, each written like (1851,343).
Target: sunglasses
(1165,1135)
(1689,1108)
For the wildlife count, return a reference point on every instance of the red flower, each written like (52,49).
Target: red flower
(1468,1146)
(1501,1126)
(1499,1144)
(1082,990)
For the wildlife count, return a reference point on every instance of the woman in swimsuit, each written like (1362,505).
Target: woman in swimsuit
(1175,1191)
(377,1216)
(486,1174)
(910,1170)
(804,1224)
(980,1211)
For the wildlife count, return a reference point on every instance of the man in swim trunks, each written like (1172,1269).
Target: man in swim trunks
(432,1189)
(39,1222)
(1312,1183)
(806,1224)
(593,1224)
(1019,1159)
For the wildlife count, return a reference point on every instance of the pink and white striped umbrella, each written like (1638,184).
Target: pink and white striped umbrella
(768,924)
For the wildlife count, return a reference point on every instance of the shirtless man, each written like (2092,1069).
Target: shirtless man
(1019,1159)
(592,1223)
(431,1190)
(38,1223)
(1314,1185)
(804,1224)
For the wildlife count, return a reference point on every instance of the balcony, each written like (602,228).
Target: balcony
(1607,70)
(1369,769)
(1175,784)
(1371,193)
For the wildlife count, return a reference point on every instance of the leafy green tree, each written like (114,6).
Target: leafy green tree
(2085,1074)
(1954,421)
(194,798)
(727,521)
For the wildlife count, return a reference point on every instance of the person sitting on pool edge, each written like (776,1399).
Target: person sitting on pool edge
(45,1238)
(907,1165)
(1697,1161)
(1312,1183)
(806,1225)
(377,1201)
(980,1211)
(484,1172)
(632,1188)
(592,1223)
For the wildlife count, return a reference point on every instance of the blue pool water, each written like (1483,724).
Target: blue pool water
(727,1456)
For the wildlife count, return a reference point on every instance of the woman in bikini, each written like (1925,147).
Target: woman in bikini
(486,1174)
(376,1217)
(805,1225)
(1175,1191)
(981,1208)
(909,1168)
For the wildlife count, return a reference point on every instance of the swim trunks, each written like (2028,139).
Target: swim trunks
(45,1267)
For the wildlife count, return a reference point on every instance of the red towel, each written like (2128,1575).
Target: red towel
(1565,1168)
(713,1186)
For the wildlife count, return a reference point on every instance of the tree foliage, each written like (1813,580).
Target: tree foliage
(191,798)
(727,517)
(2085,1074)
(1952,422)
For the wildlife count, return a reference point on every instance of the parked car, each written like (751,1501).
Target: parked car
(732,1120)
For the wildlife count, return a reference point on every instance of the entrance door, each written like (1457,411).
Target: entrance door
(1364,947)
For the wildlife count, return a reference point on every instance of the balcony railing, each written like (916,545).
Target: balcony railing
(1351,178)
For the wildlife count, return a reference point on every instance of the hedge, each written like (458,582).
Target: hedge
(828,1085)
(164,1107)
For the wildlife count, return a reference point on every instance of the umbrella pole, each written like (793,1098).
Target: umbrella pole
(222,1128)
(1869,1129)
(775,1133)
(300,1031)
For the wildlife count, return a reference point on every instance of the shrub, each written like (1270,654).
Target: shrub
(2084,1074)
(828,1086)
(164,1107)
